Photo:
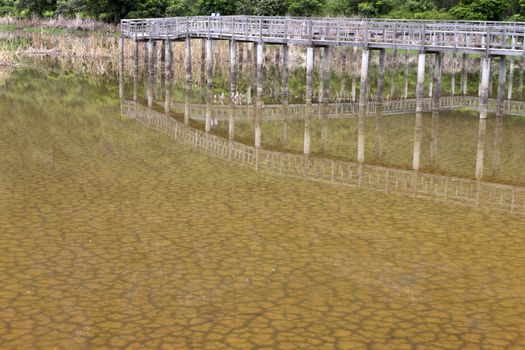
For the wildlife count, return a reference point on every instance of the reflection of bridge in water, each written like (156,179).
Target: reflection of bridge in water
(340,110)
(388,180)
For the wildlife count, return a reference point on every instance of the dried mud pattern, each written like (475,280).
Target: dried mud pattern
(116,237)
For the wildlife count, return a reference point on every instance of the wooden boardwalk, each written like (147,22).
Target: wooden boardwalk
(462,191)
(341,110)
(490,38)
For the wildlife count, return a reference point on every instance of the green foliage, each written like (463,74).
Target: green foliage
(207,7)
(305,7)
(483,10)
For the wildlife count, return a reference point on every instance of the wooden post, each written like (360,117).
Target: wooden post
(203,62)
(464,74)
(209,62)
(501,85)
(258,102)
(522,69)
(344,62)
(438,70)
(453,77)
(151,70)
(511,78)
(431,79)
(326,73)
(162,67)
(169,75)
(121,67)
(393,80)
(309,74)
(353,72)
(136,69)
(146,69)
(365,60)
(420,81)
(233,68)
(484,91)
(187,60)
(381,77)
(286,71)
(277,79)
(405,85)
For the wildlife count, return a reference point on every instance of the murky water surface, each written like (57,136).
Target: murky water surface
(115,236)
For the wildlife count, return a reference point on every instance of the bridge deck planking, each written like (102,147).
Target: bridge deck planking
(492,38)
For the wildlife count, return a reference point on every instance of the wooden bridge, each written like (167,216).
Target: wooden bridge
(488,39)
(412,183)
(493,38)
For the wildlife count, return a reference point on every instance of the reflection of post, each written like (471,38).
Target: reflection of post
(481,148)
(361,136)
(434,132)
(416,158)
(496,152)
(324,126)
(484,91)
(121,67)
(438,68)
(307,128)
(378,138)
(501,85)
(169,76)
(420,81)
(135,69)
(207,126)
(187,97)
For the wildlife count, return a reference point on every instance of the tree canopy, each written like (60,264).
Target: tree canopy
(114,10)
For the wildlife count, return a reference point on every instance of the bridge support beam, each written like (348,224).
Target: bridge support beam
(363,84)
(484,89)
(209,62)
(464,75)
(501,85)
(187,61)
(420,82)
(438,70)
(381,77)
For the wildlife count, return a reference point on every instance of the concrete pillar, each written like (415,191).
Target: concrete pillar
(420,82)
(121,67)
(277,80)
(416,157)
(162,67)
(501,85)
(480,155)
(405,85)
(365,60)
(484,91)
(381,77)
(353,72)
(438,70)
(209,62)
(187,61)
(136,69)
(522,69)
(233,69)
(259,54)
(393,80)
(511,78)
(431,80)
(326,73)
(169,76)
(309,74)
(344,62)
(464,74)
(286,71)
(146,69)
(260,61)
(240,47)
(453,77)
